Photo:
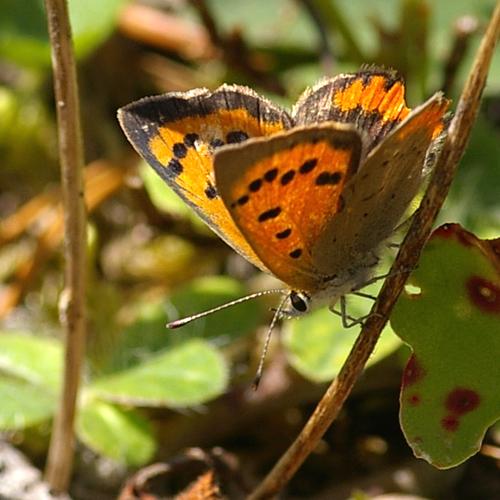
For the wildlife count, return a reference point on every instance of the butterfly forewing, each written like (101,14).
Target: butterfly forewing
(283,191)
(178,133)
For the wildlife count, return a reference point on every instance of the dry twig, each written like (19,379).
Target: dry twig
(72,305)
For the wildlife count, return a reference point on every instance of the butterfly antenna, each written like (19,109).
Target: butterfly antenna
(184,321)
(260,368)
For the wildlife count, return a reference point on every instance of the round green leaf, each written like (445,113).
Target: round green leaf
(23,404)
(189,374)
(121,434)
(209,292)
(36,360)
(451,319)
(148,333)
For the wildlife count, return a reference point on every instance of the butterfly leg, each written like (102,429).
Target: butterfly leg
(383,276)
(365,295)
(401,226)
(405,224)
(347,321)
(393,245)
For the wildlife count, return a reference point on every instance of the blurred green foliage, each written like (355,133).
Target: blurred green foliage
(23,29)
(139,280)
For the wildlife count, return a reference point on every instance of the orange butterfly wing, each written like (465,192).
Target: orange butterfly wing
(301,203)
(177,134)
(373,100)
(377,197)
(283,190)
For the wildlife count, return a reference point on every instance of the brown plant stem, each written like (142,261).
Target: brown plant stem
(72,302)
(453,149)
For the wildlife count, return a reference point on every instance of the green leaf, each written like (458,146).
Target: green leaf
(36,360)
(189,374)
(165,199)
(318,345)
(144,337)
(23,28)
(121,434)
(23,404)
(450,316)
(206,293)
(148,333)
(92,22)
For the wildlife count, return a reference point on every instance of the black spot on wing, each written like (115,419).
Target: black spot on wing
(284,234)
(242,200)
(216,143)
(272,213)
(270,175)
(328,178)
(287,177)
(175,166)
(255,185)
(211,192)
(190,139)
(236,136)
(179,149)
(308,166)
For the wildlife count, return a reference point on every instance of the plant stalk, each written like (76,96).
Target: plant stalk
(72,301)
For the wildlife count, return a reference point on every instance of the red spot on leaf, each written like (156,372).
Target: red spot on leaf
(414,399)
(413,372)
(445,231)
(450,423)
(417,440)
(457,232)
(484,294)
(461,401)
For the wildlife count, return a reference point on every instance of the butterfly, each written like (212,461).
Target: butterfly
(310,195)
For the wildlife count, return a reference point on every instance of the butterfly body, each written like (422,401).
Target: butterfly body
(310,196)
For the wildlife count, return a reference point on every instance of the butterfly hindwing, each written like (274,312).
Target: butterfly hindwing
(372,99)
(377,197)
(178,133)
(282,192)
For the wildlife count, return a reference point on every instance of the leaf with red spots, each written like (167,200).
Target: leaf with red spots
(450,316)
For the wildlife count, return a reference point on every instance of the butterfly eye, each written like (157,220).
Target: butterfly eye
(300,301)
